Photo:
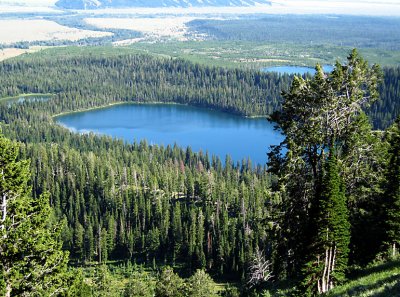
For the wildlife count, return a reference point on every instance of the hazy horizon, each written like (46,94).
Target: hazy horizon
(352,7)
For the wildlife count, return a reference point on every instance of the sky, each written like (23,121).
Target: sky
(352,7)
(51,2)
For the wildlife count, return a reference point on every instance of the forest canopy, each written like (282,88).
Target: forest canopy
(301,217)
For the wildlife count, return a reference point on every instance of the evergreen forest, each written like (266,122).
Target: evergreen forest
(89,215)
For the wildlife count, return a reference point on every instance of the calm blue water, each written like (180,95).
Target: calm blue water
(216,132)
(295,69)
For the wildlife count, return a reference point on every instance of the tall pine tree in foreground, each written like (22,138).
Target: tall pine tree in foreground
(330,247)
(392,191)
(31,260)
(319,113)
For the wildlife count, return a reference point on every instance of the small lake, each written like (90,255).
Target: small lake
(26,98)
(296,69)
(206,130)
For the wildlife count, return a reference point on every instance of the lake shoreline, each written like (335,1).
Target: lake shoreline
(155,103)
(54,116)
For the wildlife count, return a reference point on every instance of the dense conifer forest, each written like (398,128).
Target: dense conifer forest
(302,217)
(82,79)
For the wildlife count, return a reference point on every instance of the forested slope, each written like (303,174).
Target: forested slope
(168,205)
(142,202)
(385,110)
(123,201)
(101,76)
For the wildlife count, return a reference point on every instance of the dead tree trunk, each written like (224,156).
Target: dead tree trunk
(325,283)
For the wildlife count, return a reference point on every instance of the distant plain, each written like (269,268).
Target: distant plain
(288,32)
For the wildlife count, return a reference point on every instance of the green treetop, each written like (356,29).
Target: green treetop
(317,114)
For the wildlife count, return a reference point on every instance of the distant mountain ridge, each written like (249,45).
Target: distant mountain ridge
(93,4)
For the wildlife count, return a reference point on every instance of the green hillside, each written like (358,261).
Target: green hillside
(379,280)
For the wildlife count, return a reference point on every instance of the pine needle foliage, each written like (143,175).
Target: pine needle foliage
(392,191)
(31,262)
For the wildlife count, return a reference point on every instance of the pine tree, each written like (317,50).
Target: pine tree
(103,282)
(140,285)
(78,241)
(169,284)
(201,284)
(318,113)
(392,191)
(31,258)
(330,248)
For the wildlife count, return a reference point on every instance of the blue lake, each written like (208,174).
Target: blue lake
(206,130)
(295,69)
